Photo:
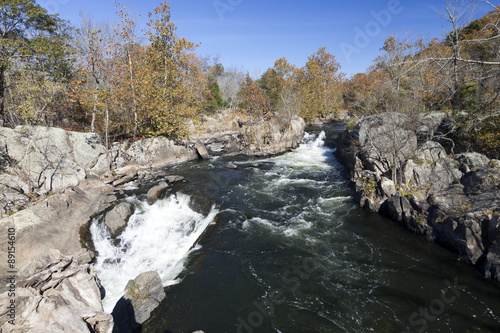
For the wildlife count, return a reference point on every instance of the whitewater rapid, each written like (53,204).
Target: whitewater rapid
(158,238)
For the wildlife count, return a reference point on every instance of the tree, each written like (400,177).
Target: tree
(320,83)
(281,86)
(254,100)
(27,34)
(230,82)
(174,90)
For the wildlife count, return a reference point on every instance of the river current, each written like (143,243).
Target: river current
(280,246)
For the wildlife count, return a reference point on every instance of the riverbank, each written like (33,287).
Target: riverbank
(401,169)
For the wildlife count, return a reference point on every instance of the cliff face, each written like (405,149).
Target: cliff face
(401,170)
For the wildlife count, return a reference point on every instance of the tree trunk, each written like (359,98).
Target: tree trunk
(133,93)
(2,95)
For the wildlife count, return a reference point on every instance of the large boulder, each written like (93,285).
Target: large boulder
(155,192)
(429,123)
(385,141)
(463,234)
(201,150)
(154,152)
(471,162)
(142,296)
(63,296)
(116,219)
(36,161)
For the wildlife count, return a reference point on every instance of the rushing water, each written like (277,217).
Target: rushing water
(290,252)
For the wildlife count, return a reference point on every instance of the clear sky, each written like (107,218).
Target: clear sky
(253,34)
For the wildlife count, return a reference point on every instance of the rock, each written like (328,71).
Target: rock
(201,204)
(142,296)
(491,266)
(155,192)
(53,223)
(471,162)
(154,152)
(463,235)
(482,181)
(494,228)
(387,187)
(399,209)
(116,219)
(429,124)
(450,200)
(384,141)
(61,297)
(174,179)
(429,176)
(231,165)
(201,150)
(454,209)
(431,152)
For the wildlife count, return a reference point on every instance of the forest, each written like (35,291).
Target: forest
(112,80)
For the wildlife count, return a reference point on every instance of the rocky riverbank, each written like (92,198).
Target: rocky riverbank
(53,181)
(400,168)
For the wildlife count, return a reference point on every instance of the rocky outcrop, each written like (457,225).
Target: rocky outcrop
(51,224)
(401,169)
(227,135)
(142,296)
(63,296)
(39,160)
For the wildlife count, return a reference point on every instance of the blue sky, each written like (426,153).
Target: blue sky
(252,34)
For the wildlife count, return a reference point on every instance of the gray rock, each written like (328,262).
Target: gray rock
(385,142)
(494,228)
(116,219)
(174,179)
(431,151)
(142,296)
(482,181)
(155,192)
(154,152)
(429,124)
(463,235)
(46,159)
(61,297)
(491,266)
(471,162)
(387,187)
(450,200)
(399,209)
(201,150)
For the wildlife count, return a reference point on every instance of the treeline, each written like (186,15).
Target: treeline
(111,79)
(459,74)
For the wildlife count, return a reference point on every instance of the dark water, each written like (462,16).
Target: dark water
(291,252)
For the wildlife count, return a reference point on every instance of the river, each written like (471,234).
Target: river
(289,251)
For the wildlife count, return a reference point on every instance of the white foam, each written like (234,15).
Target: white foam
(157,238)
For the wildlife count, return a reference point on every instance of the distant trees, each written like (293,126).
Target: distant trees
(311,91)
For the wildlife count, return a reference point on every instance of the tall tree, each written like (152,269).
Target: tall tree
(321,85)
(26,30)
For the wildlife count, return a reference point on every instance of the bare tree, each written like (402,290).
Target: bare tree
(230,84)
